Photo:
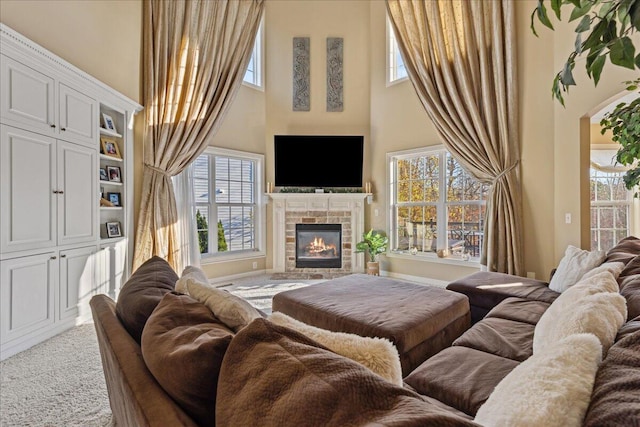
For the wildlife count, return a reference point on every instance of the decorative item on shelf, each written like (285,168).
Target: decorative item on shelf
(101,192)
(114,198)
(113,229)
(103,175)
(109,124)
(113,172)
(269,187)
(109,147)
(374,243)
(105,203)
(367,187)
(413,251)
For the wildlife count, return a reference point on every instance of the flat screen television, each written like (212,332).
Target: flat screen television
(319,161)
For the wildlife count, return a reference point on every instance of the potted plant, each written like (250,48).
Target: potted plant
(374,243)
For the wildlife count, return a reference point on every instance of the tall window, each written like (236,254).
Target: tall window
(435,204)
(227,202)
(396,70)
(611,202)
(253,75)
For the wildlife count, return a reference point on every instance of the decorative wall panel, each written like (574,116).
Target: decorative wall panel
(301,74)
(334,74)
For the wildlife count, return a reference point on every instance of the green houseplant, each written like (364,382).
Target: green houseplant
(374,243)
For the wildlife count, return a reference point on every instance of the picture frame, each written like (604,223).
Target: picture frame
(113,229)
(109,147)
(109,124)
(113,174)
(114,198)
(103,174)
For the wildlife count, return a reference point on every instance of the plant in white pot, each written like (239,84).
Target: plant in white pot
(374,243)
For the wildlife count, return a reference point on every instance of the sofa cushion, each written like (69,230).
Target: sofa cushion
(629,281)
(628,328)
(601,314)
(377,354)
(520,310)
(487,289)
(502,337)
(548,389)
(232,310)
(143,291)
(615,400)
(573,265)
(310,386)
(615,268)
(183,345)
(625,250)
(460,377)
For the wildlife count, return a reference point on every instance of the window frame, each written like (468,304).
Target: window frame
(258,60)
(441,208)
(259,222)
(631,203)
(391,54)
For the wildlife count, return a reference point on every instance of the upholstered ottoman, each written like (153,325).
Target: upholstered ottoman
(419,320)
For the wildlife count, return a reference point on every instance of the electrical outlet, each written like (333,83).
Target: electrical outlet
(376,212)
(255,265)
(567,218)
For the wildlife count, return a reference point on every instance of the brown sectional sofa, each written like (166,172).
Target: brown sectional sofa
(271,375)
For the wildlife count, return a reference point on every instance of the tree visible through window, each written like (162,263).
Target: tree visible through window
(226,183)
(436,204)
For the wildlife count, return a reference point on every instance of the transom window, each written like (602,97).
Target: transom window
(253,75)
(435,204)
(227,202)
(396,70)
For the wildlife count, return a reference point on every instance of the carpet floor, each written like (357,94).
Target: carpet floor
(60,382)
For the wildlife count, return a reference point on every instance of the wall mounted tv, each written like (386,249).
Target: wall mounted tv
(319,161)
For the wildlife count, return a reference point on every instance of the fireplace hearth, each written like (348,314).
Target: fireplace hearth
(318,245)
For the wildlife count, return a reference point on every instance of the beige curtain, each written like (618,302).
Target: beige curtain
(195,56)
(460,57)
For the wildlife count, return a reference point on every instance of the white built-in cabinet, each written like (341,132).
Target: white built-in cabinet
(55,251)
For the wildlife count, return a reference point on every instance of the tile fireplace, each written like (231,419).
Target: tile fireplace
(297,220)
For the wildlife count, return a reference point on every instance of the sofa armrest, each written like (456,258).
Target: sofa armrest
(136,399)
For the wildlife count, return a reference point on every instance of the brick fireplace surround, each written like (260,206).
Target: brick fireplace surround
(290,209)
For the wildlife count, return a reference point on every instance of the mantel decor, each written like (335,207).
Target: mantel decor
(325,190)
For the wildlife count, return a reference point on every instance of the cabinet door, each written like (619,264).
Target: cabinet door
(27,295)
(77,200)
(77,282)
(27,182)
(112,268)
(78,116)
(27,96)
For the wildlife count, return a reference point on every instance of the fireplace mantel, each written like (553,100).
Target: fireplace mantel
(315,205)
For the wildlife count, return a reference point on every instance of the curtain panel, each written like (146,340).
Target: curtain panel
(460,57)
(195,56)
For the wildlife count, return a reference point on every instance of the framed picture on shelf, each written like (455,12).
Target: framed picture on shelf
(113,174)
(103,174)
(113,229)
(110,148)
(109,124)
(114,198)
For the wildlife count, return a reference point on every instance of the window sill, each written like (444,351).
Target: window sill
(396,81)
(433,258)
(227,257)
(259,88)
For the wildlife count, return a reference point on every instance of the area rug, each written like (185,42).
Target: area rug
(58,382)
(260,295)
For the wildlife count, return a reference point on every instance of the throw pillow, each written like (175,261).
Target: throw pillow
(183,345)
(195,272)
(575,263)
(233,311)
(548,389)
(141,294)
(377,354)
(615,268)
(601,314)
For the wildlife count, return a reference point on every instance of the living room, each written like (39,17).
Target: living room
(553,140)
(391,118)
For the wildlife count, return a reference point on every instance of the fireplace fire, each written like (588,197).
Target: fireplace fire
(318,245)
